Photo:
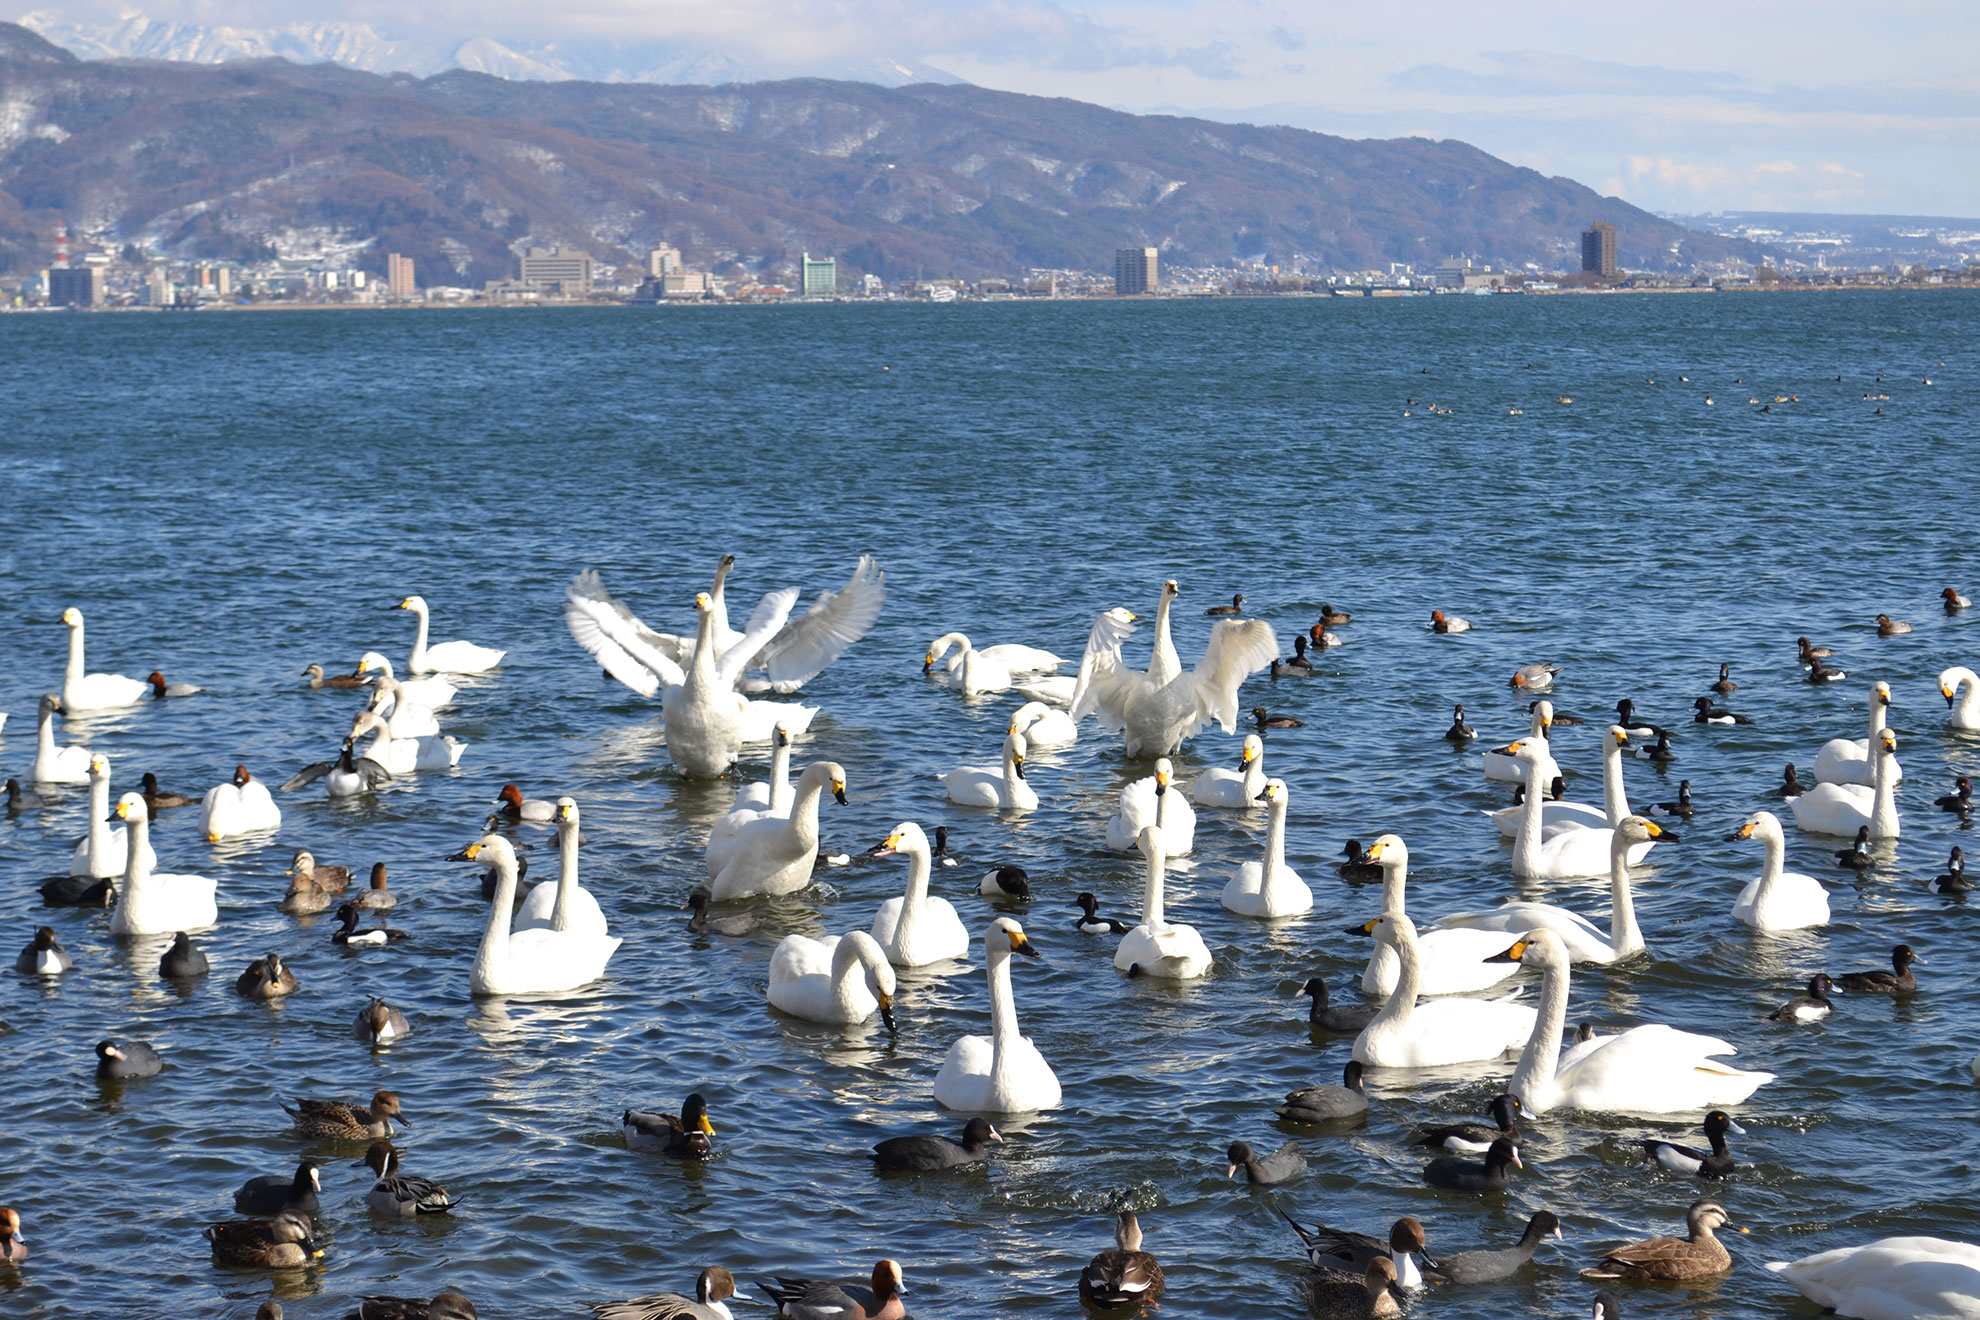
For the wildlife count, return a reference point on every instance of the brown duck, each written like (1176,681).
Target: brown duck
(313,888)
(283,1242)
(1699,1256)
(266,978)
(341,1122)
(1123,1275)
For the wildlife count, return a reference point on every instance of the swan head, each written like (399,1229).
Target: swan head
(1536,948)
(1635,829)
(1391,928)
(1150,843)
(131,807)
(1543,713)
(1390,851)
(566,814)
(1882,693)
(1015,748)
(1005,936)
(489,850)
(99,766)
(1762,825)
(1027,715)
(703,602)
(1887,741)
(907,838)
(372,660)
(73,617)
(1527,751)
(1274,792)
(781,735)
(1618,737)
(1170,590)
(364,722)
(1254,747)
(1164,772)
(50,704)
(940,647)
(417,604)
(1121,614)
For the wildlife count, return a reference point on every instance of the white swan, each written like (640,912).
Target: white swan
(102,853)
(1571,851)
(1157,709)
(408,718)
(1242,788)
(774,795)
(241,806)
(403,756)
(1556,816)
(1157,946)
(1004,789)
(1043,726)
(1651,1069)
(1448,962)
(83,692)
(447,657)
(1504,768)
(1154,801)
(1406,1034)
(917,928)
(151,903)
(1893,1278)
(762,719)
(1777,900)
(1269,888)
(1965,710)
(1054,690)
(1002,1073)
(1584,942)
(1017,658)
(840,979)
(971,672)
(775,855)
(1847,760)
(566,905)
(54,763)
(432,692)
(1845,808)
(534,961)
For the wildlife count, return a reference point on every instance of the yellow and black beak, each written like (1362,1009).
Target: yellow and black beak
(839,791)
(886,847)
(1515,954)
(1375,851)
(1365,928)
(1021,943)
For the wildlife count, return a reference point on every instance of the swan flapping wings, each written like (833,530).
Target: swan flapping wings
(1101,660)
(629,650)
(837,619)
(1235,652)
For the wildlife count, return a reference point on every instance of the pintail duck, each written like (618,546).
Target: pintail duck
(712,1293)
(378,1023)
(398,1194)
(1123,1275)
(337,1121)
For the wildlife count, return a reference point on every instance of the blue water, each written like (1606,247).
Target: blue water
(231,497)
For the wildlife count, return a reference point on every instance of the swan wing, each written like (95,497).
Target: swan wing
(628,649)
(1236,652)
(764,623)
(1102,654)
(822,633)
(1653,1069)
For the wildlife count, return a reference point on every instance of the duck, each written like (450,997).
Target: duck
(128,1060)
(819,1299)
(775,855)
(1811,652)
(1334,1017)
(1714,1163)
(1015,658)
(1044,726)
(158,799)
(1476,1138)
(445,657)
(19,800)
(535,960)
(155,902)
(1345,1294)
(378,896)
(1156,801)
(400,1195)
(1831,808)
(1960,799)
(1269,889)
(284,1242)
(1848,760)
(275,1194)
(53,763)
(1635,728)
(1002,789)
(313,888)
(1725,686)
(1448,624)
(336,682)
(1312,1105)
(1857,857)
(1708,713)
(77,891)
(241,806)
(1358,868)
(1090,921)
(688,1135)
(1333,618)
(1661,752)
(1343,1249)
(566,905)
(86,692)
(842,979)
(1811,1007)
(431,692)
(1459,732)
(1584,941)
(160,689)
(1156,709)
(1235,607)
(1960,687)
(1501,767)
(510,804)
(1242,788)
(13,1243)
(378,1023)
(1557,815)
(402,753)
(1123,1275)
(1469,1268)
(101,853)
(1568,852)
(973,672)
(1002,1073)
(1954,881)
(1005,882)
(701,921)
(925,1154)
(334,1120)
(1893,1278)
(348,775)
(1698,1256)
(44,955)
(1899,981)
(1281,1166)
(1889,627)
(1819,673)
(1157,947)
(1406,1034)
(1300,663)
(443,1306)
(1536,678)
(1492,1174)
(1451,961)
(714,1289)
(1265,720)
(266,978)
(183,960)
(1954,601)
(1791,785)
(1651,1069)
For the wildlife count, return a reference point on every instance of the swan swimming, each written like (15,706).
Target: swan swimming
(101,854)
(446,657)
(1437,1032)
(1243,788)
(1269,888)
(1005,789)
(154,903)
(1571,851)
(566,905)
(1848,760)
(1965,710)
(773,854)
(1011,657)
(1002,1073)
(1777,900)
(1043,726)
(400,755)
(84,691)
(841,979)
(1154,801)
(1844,809)
(1893,1278)
(1448,962)
(534,961)
(1584,942)
(1158,947)
(1501,767)
(54,763)
(1556,816)
(917,928)
(432,692)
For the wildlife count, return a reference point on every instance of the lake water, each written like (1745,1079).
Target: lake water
(231,497)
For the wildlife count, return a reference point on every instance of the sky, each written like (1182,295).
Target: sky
(1680,107)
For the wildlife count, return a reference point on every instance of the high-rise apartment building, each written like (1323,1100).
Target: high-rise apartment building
(399,282)
(560,271)
(663,260)
(1598,250)
(821,276)
(1136,270)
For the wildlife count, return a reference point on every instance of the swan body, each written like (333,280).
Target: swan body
(1894,1278)
(241,806)
(83,691)
(1043,725)
(1846,808)
(1651,1069)
(972,672)
(406,717)
(1503,768)
(1242,788)
(1569,851)
(103,851)
(1269,888)
(1154,801)
(704,712)
(53,763)
(1778,900)
(917,928)
(841,979)
(1159,948)
(1002,1073)
(565,905)
(1960,687)
(1557,816)
(775,855)
(533,961)
(403,755)
(150,902)
(1009,657)
(1448,962)
(1848,760)
(1406,1034)
(1156,709)
(432,692)
(1053,690)
(1003,789)
(1584,942)
(446,657)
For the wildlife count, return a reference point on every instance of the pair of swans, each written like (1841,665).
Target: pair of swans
(1778,900)
(1002,1073)
(1652,1069)
(1851,760)
(977,670)
(1156,709)
(754,801)
(565,905)
(1573,849)
(82,691)
(1965,709)
(243,805)
(1448,962)
(840,980)
(54,763)
(1584,942)
(150,902)
(404,755)
(446,657)
(432,692)
(775,854)
(1157,947)
(1437,1032)
(103,852)
(1501,767)
(1004,789)
(1242,788)
(535,959)
(1154,801)
(1270,888)
(1042,726)
(1557,816)
(1845,808)
(917,928)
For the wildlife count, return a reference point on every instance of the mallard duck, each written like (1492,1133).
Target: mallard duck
(283,1242)
(337,1121)
(313,888)
(685,1135)
(1343,1249)
(398,1194)
(1123,1275)
(1699,1256)
(266,978)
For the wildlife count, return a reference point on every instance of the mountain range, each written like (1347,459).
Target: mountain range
(460,169)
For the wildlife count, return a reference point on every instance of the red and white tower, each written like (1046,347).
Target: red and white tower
(61,245)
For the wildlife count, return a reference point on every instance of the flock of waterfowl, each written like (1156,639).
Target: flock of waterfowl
(1433,989)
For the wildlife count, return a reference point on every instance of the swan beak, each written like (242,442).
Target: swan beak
(466,854)
(1245,758)
(1947,695)
(927,662)
(1375,851)
(1514,954)
(885,848)
(1366,928)
(887,1012)
(1017,764)
(839,791)
(213,838)
(1263,795)
(1021,943)
(122,811)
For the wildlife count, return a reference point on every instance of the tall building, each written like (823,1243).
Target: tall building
(399,282)
(1136,270)
(1598,250)
(663,260)
(821,276)
(75,286)
(567,274)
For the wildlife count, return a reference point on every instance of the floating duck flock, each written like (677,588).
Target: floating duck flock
(1439,989)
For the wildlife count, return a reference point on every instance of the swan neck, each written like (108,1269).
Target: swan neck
(1615,799)
(1883,810)
(1775,845)
(1526,847)
(74,673)
(1151,897)
(1003,1009)
(137,842)
(1533,1078)
(780,778)
(1395,885)
(46,735)
(1402,1000)
(567,876)
(1013,782)
(419,644)
(1275,844)
(804,808)
(1624,936)
(99,821)
(495,935)
(915,897)
(1164,664)
(701,668)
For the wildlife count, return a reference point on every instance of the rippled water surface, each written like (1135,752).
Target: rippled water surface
(229,498)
